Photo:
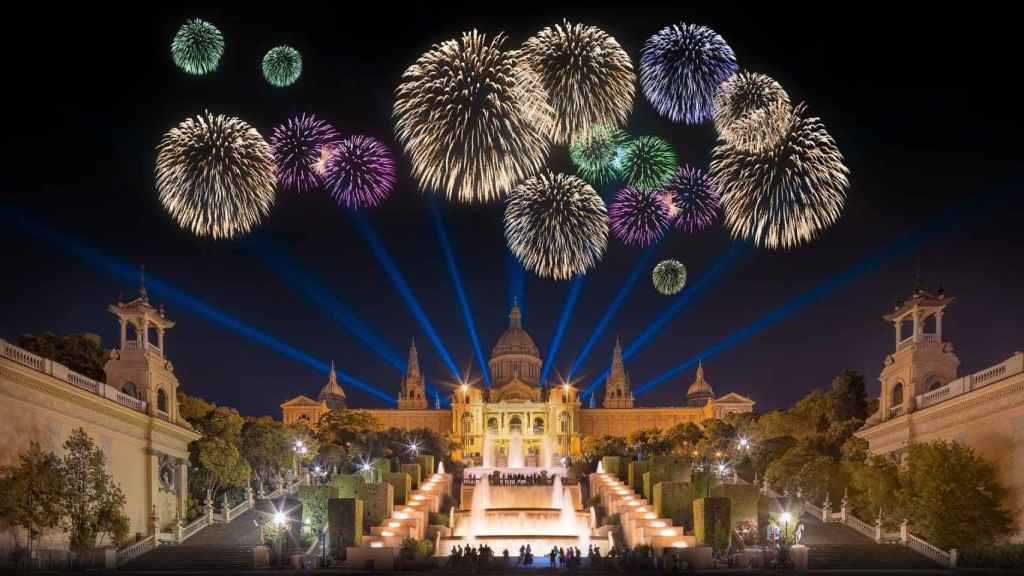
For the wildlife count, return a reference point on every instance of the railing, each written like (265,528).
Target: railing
(125,555)
(196,525)
(925,549)
(860,526)
(242,508)
(1009,367)
(896,411)
(142,346)
(62,373)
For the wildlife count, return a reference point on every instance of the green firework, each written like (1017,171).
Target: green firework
(282,66)
(648,162)
(669,277)
(197,47)
(594,155)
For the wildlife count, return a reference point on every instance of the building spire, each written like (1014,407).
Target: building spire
(411,394)
(515,317)
(618,391)
(413,366)
(142,283)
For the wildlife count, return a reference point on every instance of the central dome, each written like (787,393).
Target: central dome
(515,355)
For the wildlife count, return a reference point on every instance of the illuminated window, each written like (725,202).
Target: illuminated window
(897,395)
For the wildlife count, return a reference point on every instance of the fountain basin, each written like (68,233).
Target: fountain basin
(521,522)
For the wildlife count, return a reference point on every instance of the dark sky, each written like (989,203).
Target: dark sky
(924,107)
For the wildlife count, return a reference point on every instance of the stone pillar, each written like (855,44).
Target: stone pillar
(160,339)
(153,482)
(179,525)
(826,509)
(954,555)
(124,332)
(249,495)
(154,527)
(904,532)
(145,334)
(225,509)
(209,510)
(182,487)
(843,508)
(878,527)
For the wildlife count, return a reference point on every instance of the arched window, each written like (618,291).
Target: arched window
(930,325)
(897,395)
(304,417)
(161,400)
(933,383)
(515,425)
(906,328)
(538,425)
(492,424)
(130,389)
(467,424)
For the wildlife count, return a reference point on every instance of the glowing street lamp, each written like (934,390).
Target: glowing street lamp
(279,519)
(786,517)
(744,443)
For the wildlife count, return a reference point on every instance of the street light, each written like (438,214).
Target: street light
(279,519)
(744,443)
(786,517)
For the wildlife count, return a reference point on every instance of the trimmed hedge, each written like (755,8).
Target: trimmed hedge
(402,485)
(635,475)
(743,499)
(347,485)
(674,500)
(614,465)
(712,523)
(314,505)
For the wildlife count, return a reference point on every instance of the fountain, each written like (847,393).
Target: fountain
(440,467)
(556,493)
(488,451)
(545,452)
(600,467)
(515,451)
(568,521)
(481,501)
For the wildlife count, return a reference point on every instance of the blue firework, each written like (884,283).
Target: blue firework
(680,69)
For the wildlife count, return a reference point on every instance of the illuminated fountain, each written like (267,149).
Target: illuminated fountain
(516,458)
(488,451)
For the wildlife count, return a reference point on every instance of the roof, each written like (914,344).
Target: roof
(733,398)
(301,400)
(515,340)
(700,386)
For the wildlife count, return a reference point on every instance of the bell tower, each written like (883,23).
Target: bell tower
(138,367)
(411,395)
(618,392)
(922,360)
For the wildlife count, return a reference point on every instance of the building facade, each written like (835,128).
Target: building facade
(551,419)
(132,416)
(923,398)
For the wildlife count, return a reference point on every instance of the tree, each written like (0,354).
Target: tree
(92,502)
(345,426)
(596,448)
(649,442)
(849,396)
(30,493)
(193,408)
(684,437)
(219,465)
(267,446)
(873,484)
(82,353)
(951,496)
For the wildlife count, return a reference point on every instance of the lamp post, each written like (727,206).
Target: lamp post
(786,517)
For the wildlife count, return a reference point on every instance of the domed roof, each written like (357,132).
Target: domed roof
(515,340)
(700,391)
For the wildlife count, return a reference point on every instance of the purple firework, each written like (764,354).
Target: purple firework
(638,217)
(680,69)
(300,147)
(360,172)
(692,199)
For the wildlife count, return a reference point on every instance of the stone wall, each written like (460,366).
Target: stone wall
(598,422)
(415,472)
(438,421)
(401,486)
(347,485)
(345,520)
(712,524)
(744,499)
(674,500)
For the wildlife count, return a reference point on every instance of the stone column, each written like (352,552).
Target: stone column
(153,484)
(124,332)
(904,532)
(182,487)
(160,339)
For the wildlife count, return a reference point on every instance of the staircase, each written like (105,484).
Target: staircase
(836,546)
(216,547)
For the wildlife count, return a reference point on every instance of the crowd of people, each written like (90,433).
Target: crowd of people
(541,478)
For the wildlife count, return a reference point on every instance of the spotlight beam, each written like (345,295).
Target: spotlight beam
(869,264)
(303,282)
(678,305)
(563,323)
(453,273)
(181,298)
(381,253)
(609,313)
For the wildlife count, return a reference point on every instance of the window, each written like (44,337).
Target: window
(897,394)
(563,422)
(304,417)
(492,425)
(906,328)
(467,424)
(930,325)
(161,400)
(538,425)
(515,424)
(130,389)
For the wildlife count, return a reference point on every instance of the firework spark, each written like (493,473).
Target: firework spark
(595,154)
(556,225)
(751,111)
(638,217)
(215,175)
(647,162)
(694,200)
(282,66)
(786,195)
(197,47)
(669,277)
(467,114)
(587,75)
(360,172)
(301,148)
(681,67)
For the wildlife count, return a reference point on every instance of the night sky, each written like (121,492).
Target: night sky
(923,106)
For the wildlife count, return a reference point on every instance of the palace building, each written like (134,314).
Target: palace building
(923,398)
(517,402)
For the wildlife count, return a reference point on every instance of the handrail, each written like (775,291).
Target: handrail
(196,525)
(127,554)
(931,551)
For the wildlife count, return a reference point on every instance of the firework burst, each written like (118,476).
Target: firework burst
(471,119)
(647,162)
(588,78)
(360,172)
(556,225)
(681,67)
(669,277)
(693,199)
(751,111)
(197,47)
(301,147)
(638,217)
(282,66)
(783,196)
(215,175)
(594,155)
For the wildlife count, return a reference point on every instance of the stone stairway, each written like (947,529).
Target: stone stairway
(216,547)
(835,546)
